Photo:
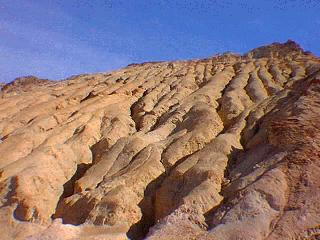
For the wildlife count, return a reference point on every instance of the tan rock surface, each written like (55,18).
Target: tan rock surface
(226,147)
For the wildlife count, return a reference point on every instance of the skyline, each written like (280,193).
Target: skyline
(57,39)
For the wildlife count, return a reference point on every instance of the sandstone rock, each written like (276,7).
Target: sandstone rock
(220,148)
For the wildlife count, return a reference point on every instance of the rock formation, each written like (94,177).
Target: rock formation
(26,84)
(221,148)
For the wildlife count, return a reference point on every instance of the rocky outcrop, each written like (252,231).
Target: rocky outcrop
(26,83)
(220,148)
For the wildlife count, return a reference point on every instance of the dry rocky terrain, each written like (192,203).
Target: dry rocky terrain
(223,148)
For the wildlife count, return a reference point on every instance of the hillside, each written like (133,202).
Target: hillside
(221,148)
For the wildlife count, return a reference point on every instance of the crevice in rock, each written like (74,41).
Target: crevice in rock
(4,137)
(140,229)
(211,214)
(77,213)
(219,107)
(263,78)
(11,185)
(31,120)
(264,82)
(90,95)
(205,75)
(73,114)
(164,117)
(249,91)
(120,79)
(136,112)
(68,187)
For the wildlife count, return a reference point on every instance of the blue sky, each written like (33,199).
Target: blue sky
(58,38)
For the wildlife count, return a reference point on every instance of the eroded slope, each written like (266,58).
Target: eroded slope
(221,148)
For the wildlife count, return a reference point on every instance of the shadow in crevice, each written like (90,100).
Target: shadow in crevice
(68,187)
(89,96)
(147,205)
(140,229)
(68,190)
(233,157)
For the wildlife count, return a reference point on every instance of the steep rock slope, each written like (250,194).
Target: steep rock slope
(221,148)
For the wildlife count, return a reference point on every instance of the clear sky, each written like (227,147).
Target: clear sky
(58,38)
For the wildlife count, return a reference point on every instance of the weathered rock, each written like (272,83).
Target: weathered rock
(220,148)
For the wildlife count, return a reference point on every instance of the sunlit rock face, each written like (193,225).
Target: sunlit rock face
(221,148)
